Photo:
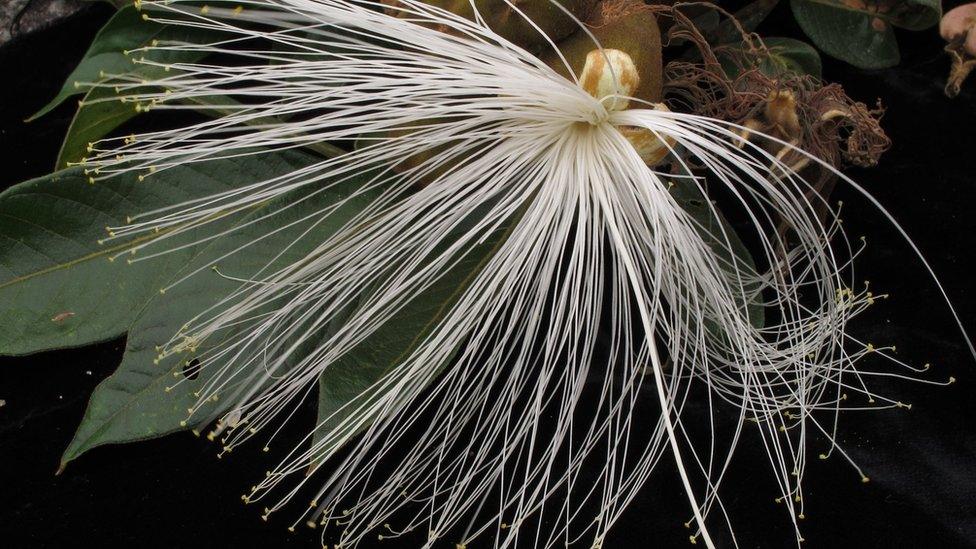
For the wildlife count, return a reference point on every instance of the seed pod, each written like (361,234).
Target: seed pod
(503,18)
(625,25)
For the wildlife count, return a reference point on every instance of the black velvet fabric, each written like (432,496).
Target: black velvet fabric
(172,492)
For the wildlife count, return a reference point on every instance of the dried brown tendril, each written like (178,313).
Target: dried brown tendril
(725,82)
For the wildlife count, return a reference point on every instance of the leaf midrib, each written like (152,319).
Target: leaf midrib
(102,252)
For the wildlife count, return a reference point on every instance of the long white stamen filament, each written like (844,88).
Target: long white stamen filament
(487,423)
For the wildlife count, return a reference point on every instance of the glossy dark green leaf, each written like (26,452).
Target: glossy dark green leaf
(860,32)
(57,285)
(133,403)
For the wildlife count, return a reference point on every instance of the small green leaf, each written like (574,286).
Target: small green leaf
(57,286)
(786,57)
(860,32)
(133,404)
(99,113)
(125,31)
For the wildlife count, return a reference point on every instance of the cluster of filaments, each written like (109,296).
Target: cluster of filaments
(484,429)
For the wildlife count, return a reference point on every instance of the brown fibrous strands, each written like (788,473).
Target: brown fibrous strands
(725,81)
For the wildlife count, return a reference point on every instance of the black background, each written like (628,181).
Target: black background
(172,492)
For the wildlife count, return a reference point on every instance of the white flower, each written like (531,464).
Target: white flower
(484,429)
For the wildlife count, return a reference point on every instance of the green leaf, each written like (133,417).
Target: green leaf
(97,115)
(860,32)
(57,286)
(100,112)
(100,115)
(125,31)
(133,403)
(349,383)
(786,56)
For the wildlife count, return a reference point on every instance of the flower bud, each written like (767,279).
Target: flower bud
(781,113)
(652,150)
(959,25)
(610,74)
